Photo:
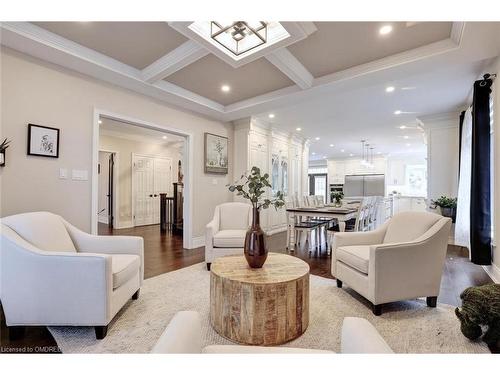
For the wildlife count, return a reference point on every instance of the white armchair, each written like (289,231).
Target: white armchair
(225,234)
(183,335)
(403,259)
(54,274)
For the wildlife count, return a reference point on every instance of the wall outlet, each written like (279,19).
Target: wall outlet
(63,173)
(79,175)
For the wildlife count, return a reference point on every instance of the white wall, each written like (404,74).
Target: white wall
(125,149)
(42,93)
(442,154)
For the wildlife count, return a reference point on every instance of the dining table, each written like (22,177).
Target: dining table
(340,214)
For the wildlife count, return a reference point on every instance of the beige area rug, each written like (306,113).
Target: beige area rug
(408,327)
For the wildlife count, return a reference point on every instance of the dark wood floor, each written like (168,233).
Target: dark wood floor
(164,253)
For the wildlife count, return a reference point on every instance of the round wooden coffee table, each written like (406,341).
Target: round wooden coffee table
(265,306)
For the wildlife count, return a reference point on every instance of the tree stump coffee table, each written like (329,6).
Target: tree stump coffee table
(266,306)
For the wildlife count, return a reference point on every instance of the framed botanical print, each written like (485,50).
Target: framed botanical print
(216,154)
(43,141)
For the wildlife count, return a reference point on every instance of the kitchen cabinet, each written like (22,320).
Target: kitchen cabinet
(338,169)
(406,203)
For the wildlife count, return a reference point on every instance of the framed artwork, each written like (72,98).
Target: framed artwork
(216,160)
(43,141)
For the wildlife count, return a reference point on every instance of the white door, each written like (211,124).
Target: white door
(162,183)
(143,173)
(151,176)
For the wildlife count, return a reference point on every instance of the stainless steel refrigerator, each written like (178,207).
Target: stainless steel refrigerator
(364,185)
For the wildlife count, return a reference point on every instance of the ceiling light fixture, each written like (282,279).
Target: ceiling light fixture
(298,129)
(317,138)
(100,122)
(225,88)
(398,112)
(402,127)
(351,154)
(342,150)
(240,36)
(390,89)
(164,137)
(384,30)
(313,153)
(331,144)
(406,137)
(271,115)
(408,145)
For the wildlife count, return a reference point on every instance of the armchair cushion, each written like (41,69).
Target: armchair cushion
(44,230)
(408,226)
(357,257)
(230,238)
(124,267)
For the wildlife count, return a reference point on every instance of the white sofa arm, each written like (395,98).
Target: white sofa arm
(182,335)
(360,337)
(89,243)
(47,283)
(359,238)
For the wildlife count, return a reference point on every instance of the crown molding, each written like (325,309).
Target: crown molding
(182,56)
(290,66)
(40,43)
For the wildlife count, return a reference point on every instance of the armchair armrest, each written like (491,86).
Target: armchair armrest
(89,243)
(182,335)
(47,283)
(360,337)
(359,238)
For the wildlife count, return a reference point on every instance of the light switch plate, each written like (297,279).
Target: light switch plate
(214,181)
(79,175)
(63,173)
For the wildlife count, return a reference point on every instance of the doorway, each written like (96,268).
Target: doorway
(165,171)
(318,185)
(108,188)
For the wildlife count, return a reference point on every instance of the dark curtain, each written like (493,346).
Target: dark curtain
(480,215)
(460,127)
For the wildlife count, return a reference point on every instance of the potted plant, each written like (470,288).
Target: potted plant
(3,146)
(448,206)
(337,197)
(252,186)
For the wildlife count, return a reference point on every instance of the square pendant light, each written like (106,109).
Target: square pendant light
(240,36)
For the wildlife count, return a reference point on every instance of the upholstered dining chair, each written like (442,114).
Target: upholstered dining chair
(403,259)
(53,274)
(225,234)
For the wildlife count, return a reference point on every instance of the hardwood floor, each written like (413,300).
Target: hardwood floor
(164,253)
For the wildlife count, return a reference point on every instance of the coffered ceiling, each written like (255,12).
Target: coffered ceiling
(328,78)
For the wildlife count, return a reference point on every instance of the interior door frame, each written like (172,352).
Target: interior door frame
(116,193)
(135,155)
(187,161)
(311,177)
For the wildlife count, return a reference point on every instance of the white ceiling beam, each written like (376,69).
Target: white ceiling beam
(291,67)
(185,54)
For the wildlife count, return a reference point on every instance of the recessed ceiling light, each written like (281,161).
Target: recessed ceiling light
(398,112)
(351,154)
(317,138)
(298,129)
(384,30)
(225,88)
(402,127)
(408,145)
(164,137)
(342,150)
(378,152)
(271,115)
(331,144)
(100,121)
(389,89)
(313,153)
(324,157)
(406,137)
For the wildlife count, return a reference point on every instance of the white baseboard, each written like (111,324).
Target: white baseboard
(124,224)
(270,232)
(198,241)
(494,272)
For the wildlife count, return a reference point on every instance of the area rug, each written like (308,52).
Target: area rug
(408,327)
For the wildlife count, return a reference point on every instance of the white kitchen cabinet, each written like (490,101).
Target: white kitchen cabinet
(405,203)
(338,169)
